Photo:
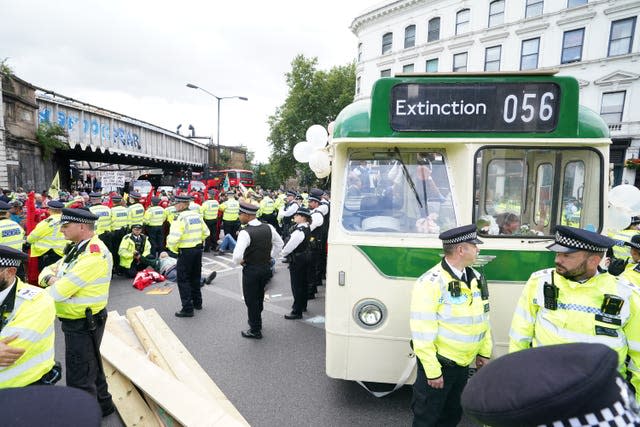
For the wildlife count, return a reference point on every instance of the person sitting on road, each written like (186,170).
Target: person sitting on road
(134,251)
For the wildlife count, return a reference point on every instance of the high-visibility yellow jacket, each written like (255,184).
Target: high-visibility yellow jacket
(579,317)
(32,320)
(127,248)
(135,213)
(154,216)
(119,217)
(267,206)
(280,201)
(170,213)
(103,224)
(620,250)
(83,279)
(453,327)
(187,231)
(305,199)
(231,210)
(11,234)
(209,209)
(47,235)
(632,274)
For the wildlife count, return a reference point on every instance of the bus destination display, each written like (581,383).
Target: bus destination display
(472,107)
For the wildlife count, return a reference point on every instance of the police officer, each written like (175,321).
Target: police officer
(230,214)
(134,251)
(46,239)
(209,211)
(299,259)
(267,211)
(323,208)
(288,210)
(135,211)
(450,329)
(79,284)
(576,302)
(620,250)
(317,244)
(119,227)
(27,333)
(185,239)
(257,244)
(103,224)
(632,269)
(11,234)
(154,218)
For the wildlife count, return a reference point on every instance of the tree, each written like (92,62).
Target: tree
(315,97)
(51,137)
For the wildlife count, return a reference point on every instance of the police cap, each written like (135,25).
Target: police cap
(559,385)
(55,204)
(183,198)
(155,200)
(635,220)
(303,211)
(95,195)
(134,195)
(116,198)
(635,242)
(570,239)
(248,208)
(4,206)
(10,257)
(79,215)
(291,193)
(464,234)
(136,226)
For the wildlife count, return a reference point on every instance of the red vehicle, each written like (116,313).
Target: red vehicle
(215,178)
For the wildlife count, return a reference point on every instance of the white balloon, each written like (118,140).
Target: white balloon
(625,196)
(330,127)
(319,162)
(322,175)
(302,151)
(617,219)
(317,136)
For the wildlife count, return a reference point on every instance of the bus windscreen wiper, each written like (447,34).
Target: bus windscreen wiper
(407,178)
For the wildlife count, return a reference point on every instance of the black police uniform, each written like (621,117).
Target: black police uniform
(299,263)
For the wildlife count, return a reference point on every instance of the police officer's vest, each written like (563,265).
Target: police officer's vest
(209,209)
(288,220)
(128,245)
(267,206)
(187,231)
(119,218)
(28,312)
(259,250)
(154,216)
(170,213)
(231,210)
(136,214)
(11,234)
(304,245)
(84,275)
(103,224)
(47,236)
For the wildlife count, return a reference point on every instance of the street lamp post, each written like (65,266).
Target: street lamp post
(218,99)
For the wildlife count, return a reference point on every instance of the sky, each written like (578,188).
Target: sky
(135,57)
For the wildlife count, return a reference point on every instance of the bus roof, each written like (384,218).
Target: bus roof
(494,105)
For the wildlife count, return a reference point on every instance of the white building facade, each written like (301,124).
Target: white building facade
(595,41)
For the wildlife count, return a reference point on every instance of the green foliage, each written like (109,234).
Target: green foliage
(51,138)
(4,67)
(265,176)
(315,97)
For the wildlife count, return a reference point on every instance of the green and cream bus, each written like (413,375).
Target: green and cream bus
(513,153)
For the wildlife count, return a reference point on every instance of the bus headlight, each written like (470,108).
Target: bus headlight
(370,314)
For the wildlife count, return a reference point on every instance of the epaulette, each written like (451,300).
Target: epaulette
(28,293)
(542,273)
(94,248)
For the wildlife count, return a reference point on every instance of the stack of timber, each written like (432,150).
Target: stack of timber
(154,379)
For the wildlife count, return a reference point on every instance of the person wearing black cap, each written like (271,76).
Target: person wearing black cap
(103,224)
(209,211)
(185,239)
(323,208)
(620,250)
(79,284)
(135,211)
(257,244)
(27,333)
(450,329)
(46,239)
(317,246)
(11,233)
(296,250)
(230,214)
(154,218)
(288,210)
(558,385)
(134,252)
(576,302)
(632,269)
(119,227)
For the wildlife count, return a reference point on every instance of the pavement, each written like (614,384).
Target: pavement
(279,380)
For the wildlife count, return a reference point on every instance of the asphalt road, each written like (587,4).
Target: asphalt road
(277,381)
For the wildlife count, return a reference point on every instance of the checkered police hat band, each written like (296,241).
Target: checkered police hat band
(70,218)
(615,416)
(571,242)
(461,238)
(9,262)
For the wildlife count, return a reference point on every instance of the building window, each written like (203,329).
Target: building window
(460,62)
(385,73)
(410,36)
(492,58)
(496,13)
(529,54)
(534,8)
(433,32)
(621,37)
(387,43)
(407,68)
(359,52)
(574,3)
(612,107)
(358,81)
(432,65)
(462,21)
(572,46)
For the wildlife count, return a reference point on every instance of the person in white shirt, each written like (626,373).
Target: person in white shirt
(297,252)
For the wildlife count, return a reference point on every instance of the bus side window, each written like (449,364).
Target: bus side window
(572,188)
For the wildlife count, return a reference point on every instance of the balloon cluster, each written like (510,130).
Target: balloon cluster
(624,202)
(314,151)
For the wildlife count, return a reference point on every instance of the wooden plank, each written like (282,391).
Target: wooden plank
(147,343)
(183,364)
(130,404)
(185,406)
